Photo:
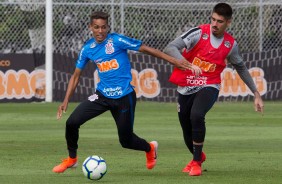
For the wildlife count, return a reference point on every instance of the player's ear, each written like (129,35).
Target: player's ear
(89,27)
(229,22)
(109,29)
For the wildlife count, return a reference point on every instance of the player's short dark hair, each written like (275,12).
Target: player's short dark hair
(223,9)
(99,15)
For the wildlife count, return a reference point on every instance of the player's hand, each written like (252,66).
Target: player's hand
(185,65)
(62,109)
(258,103)
(196,70)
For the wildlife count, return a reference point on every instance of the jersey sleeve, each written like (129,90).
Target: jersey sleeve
(82,58)
(191,37)
(174,48)
(128,43)
(234,57)
(237,62)
(187,40)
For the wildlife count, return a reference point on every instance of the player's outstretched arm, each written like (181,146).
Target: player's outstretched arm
(182,64)
(71,88)
(237,62)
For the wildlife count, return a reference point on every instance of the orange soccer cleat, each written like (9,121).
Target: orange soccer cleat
(152,155)
(66,163)
(187,168)
(196,169)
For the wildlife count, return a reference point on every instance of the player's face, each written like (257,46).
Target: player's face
(99,28)
(219,24)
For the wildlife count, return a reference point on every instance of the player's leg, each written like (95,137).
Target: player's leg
(123,111)
(203,102)
(83,112)
(184,106)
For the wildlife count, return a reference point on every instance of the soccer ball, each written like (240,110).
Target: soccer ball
(94,167)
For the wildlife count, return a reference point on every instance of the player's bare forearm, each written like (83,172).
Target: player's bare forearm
(181,64)
(157,53)
(71,88)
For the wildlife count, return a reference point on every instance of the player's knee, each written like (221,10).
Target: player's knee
(199,132)
(197,117)
(125,142)
(72,122)
(198,127)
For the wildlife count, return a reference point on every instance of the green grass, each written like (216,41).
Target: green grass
(241,145)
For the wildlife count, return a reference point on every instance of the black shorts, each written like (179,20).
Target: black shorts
(122,109)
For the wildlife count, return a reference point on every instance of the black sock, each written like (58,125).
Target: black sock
(197,152)
(72,153)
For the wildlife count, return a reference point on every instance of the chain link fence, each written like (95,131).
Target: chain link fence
(257,24)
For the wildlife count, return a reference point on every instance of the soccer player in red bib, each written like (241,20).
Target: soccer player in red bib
(209,47)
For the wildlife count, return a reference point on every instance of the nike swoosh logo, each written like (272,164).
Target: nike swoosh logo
(155,154)
(124,110)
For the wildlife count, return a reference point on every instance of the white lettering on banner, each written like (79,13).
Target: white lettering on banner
(22,84)
(148,83)
(232,84)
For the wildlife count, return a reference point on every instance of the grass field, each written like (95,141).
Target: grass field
(241,145)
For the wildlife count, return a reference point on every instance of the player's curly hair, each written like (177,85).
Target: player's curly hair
(223,9)
(99,15)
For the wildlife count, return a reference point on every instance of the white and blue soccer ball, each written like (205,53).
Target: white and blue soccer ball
(94,167)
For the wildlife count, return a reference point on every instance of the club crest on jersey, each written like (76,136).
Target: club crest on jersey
(93,45)
(109,47)
(205,36)
(227,44)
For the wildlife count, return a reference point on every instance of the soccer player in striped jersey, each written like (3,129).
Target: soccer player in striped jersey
(108,51)
(208,46)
